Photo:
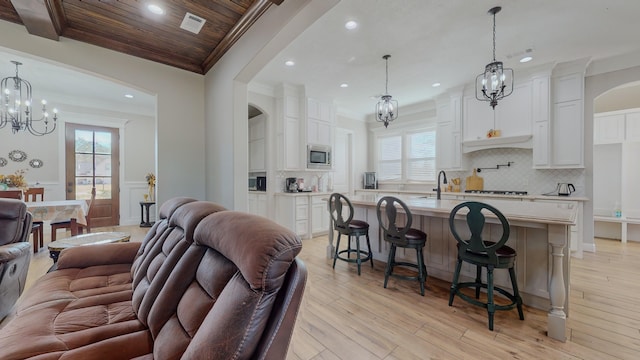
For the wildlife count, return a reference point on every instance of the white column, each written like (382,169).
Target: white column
(557,318)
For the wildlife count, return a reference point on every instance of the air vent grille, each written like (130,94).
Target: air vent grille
(192,23)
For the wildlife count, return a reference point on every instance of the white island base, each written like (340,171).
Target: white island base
(539,233)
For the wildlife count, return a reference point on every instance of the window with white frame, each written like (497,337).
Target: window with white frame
(407,157)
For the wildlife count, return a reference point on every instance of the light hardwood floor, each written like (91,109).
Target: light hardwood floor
(351,317)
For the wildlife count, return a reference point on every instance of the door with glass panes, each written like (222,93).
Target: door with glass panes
(92,161)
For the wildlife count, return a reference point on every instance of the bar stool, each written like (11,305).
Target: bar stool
(348,227)
(482,253)
(401,235)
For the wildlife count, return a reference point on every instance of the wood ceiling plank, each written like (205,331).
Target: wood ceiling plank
(256,10)
(40,17)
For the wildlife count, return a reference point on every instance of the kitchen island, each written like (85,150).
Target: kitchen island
(539,233)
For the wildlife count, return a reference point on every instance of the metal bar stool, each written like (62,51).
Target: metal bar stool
(403,236)
(349,227)
(475,250)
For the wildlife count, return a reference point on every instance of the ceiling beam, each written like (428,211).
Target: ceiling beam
(277,2)
(251,16)
(43,18)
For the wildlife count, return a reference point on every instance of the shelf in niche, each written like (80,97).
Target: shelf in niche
(520,141)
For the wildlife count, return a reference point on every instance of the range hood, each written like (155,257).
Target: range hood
(519,141)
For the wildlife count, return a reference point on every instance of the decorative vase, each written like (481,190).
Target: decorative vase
(151,193)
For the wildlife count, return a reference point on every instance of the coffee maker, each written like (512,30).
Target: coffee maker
(370,180)
(291,184)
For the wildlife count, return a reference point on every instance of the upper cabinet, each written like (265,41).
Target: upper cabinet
(290,148)
(617,127)
(257,143)
(320,122)
(449,137)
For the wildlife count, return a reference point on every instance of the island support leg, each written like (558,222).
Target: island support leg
(557,318)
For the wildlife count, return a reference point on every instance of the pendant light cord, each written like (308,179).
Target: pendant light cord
(494,37)
(386,82)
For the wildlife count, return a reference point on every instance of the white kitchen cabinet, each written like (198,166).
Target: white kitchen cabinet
(257,203)
(632,126)
(608,129)
(541,144)
(292,212)
(289,117)
(448,134)
(319,215)
(567,135)
(319,122)
(477,118)
(257,144)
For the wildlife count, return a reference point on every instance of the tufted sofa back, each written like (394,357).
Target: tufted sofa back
(226,283)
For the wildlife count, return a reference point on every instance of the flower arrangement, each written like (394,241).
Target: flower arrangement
(15,180)
(151,179)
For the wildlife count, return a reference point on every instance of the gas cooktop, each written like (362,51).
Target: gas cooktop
(497,192)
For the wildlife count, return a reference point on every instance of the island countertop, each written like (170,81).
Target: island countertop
(534,212)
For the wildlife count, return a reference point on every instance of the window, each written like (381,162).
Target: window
(409,157)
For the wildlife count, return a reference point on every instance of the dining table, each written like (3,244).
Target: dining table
(60,210)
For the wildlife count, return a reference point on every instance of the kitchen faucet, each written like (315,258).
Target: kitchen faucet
(444,182)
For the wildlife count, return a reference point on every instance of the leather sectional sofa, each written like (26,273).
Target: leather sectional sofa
(15,252)
(205,283)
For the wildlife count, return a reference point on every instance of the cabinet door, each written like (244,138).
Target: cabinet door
(292,145)
(567,138)
(252,204)
(257,155)
(608,129)
(261,205)
(318,132)
(633,126)
(541,144)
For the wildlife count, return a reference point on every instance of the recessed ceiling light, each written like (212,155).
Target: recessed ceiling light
(289,62)
(128,96)
(526,59)
(435,84)
(155,9)
(350,25)
(344,85)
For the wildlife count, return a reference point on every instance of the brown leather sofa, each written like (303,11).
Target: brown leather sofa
(15,253)
(205,283)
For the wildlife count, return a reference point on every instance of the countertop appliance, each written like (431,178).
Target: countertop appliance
(565,189)
(370,180)
(291,184)
(319,157)
(253,186)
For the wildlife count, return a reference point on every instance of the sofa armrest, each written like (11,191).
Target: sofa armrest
(102,254)
(13,251)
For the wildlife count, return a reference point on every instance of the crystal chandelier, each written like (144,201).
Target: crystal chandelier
(17,107)
(387,108)
(496,82)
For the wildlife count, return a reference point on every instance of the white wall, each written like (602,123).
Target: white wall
(226,127)
(180,102)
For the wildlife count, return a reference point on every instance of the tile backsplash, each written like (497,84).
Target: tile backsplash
(519,175)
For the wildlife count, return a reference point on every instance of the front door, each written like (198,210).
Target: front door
(92,161)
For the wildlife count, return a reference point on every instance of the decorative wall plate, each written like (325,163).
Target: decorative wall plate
(17,155)
(36,163)
(3,161)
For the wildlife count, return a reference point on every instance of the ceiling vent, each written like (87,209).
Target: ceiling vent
(192,23)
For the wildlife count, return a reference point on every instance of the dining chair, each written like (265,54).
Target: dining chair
(475,250)
(11,194)
(341,211)
(37,228)
(66,224)
(397,231)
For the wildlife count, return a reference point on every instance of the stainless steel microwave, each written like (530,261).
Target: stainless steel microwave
(319,157)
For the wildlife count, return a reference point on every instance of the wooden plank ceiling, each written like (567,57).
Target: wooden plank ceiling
(128,27)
